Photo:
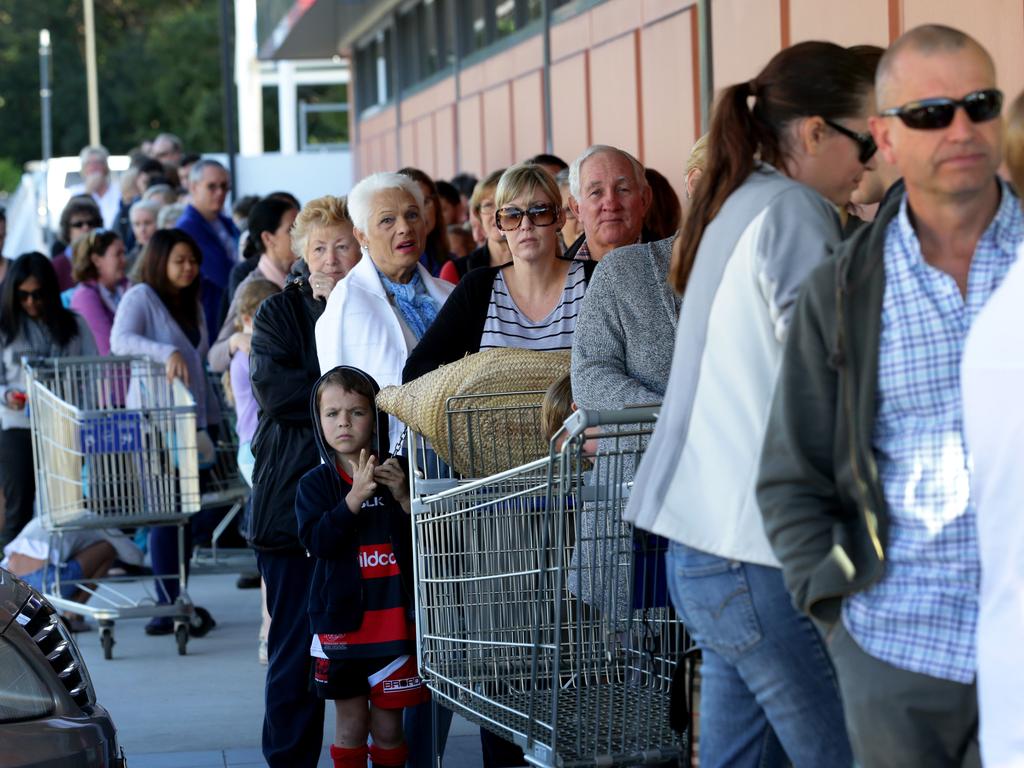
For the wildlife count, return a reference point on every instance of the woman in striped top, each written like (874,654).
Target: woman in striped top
(531,303)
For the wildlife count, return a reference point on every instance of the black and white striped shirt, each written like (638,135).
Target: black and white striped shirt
(507,326)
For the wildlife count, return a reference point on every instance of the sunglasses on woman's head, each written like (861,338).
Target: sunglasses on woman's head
(865,141)
(931,114)
(510,218)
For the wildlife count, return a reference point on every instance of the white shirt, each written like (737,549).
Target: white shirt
(109,202)
(992,379)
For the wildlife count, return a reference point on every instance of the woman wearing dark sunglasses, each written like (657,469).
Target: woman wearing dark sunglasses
(530,303)
(785,150)
(80,217)
(33,323)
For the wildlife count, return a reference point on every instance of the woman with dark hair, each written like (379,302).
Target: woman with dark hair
(785,151)
(270,245)
(98,266)
(437,251)
(663,217)
(494,252)
(162,319)
(80,217)
(33,323)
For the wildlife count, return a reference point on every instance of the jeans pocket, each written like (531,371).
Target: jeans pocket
(713,596)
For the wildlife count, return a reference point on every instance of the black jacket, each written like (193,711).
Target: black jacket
(283,366)
(481,257)
(818,487)
(330,533)
(457,329)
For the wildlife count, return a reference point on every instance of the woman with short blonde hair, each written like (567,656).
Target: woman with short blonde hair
(529,303)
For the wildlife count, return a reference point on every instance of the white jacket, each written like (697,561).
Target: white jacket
(359,327)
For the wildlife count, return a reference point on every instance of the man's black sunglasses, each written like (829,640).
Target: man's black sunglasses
(865,141)
(931,114)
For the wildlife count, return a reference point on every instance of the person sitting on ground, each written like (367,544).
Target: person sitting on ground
(353,517)
(494,252)
(83,554)
(99,269)
(610,196)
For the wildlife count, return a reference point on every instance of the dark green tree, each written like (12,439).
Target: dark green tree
(158,67)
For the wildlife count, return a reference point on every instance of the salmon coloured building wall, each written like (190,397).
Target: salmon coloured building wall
(626,72)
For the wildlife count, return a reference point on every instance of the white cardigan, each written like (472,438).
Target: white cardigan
(359,327)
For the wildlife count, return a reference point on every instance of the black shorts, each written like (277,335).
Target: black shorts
(389,683)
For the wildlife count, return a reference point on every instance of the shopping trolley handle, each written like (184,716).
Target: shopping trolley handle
(584,418)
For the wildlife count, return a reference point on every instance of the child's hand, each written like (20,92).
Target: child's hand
(363,484)
(390,473)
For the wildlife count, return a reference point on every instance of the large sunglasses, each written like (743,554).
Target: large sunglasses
(510,218)
(931,114)
(26,295)
(865,141)
(82,223)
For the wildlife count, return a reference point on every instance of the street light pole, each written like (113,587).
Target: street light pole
(90,74)
(47,131)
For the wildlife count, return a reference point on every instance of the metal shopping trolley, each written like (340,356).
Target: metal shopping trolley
(114,445)
(542,616)
(224,487)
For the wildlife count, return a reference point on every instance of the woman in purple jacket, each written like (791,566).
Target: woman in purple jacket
(162,319)
(98,267)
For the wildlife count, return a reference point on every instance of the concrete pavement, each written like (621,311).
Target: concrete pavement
(204,709)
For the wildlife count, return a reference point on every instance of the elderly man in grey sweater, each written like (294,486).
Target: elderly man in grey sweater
(621,355)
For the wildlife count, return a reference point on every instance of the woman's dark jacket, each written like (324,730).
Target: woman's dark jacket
(330,533)
(283,367)
(458,327)
(478,259)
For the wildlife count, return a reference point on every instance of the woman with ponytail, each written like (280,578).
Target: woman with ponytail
(270,223)
(785,150)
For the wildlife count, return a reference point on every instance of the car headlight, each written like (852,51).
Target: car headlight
(23,695)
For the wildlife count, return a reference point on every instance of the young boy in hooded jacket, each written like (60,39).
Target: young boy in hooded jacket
(353,516)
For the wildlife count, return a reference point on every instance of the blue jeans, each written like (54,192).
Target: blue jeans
(769,694)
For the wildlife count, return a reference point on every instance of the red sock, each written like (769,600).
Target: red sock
(389,758)
(348,757)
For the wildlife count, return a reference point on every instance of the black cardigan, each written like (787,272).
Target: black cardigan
(459,325)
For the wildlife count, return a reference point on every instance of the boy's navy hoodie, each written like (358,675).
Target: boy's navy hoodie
(344,544)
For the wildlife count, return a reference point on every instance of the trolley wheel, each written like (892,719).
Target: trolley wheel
(107,641)
(181,636)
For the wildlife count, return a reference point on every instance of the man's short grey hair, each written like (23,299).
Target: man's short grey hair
(360,199)
(144,205)
(598,149)
(195,173)
(927,39)
(93,150)
(174,141)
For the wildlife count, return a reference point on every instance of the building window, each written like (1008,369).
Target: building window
(425,41)
(373,70)
(487,21)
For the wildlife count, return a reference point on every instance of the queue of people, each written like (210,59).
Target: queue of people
(835,502)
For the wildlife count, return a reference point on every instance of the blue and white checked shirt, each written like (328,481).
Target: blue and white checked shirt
(922,615)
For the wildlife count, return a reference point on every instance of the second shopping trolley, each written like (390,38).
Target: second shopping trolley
(542,616)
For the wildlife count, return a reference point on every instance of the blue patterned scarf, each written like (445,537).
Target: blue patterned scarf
(413,302)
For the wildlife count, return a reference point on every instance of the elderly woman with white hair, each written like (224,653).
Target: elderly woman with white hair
(379,312)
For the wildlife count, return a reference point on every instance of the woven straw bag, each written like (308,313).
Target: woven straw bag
(482,413)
